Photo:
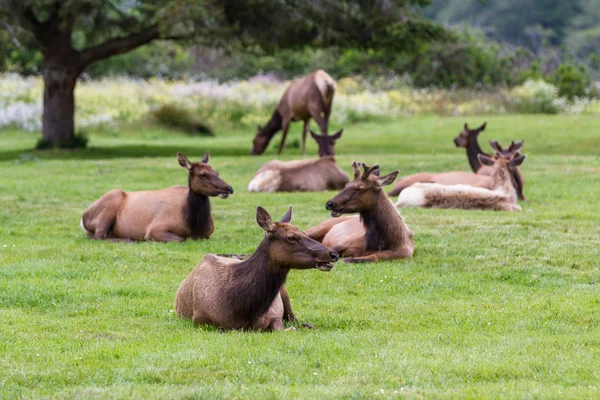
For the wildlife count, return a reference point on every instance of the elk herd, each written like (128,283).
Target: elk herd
(365,226)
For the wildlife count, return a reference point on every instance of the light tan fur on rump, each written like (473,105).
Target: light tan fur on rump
(303,176)
(501,196)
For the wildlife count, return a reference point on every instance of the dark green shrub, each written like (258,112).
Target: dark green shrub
(572,80)
(177,117)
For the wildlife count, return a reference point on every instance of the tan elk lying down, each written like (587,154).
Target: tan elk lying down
(482,179)
(502,195)
(377,233)
(468,139)
(172,214)
(233,294)
(308,97)
(302,175)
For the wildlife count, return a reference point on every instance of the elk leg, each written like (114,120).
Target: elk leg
(304,133)
(163,236)
(378,256)
(288,314)
(276,325)
(316,113)
(103,228)
(286,127)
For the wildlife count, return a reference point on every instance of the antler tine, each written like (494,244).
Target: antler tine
(369,170)
(356,169)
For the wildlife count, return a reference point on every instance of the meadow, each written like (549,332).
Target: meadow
(492,305)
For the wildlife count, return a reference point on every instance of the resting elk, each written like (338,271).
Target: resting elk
(501,196)
(468,139)
(233,294)
(302,175)
(308,97)
(172,214)
(377,233)
(460,177)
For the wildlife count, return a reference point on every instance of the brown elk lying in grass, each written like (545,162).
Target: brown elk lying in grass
(468,139)
(377,233)
(481,179)
(233,294)
(172,214)
(308,97)
(501,196)
(303,175)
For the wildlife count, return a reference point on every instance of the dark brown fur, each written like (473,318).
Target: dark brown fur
(250,294)
(308,97)
(379,234)
(172,214)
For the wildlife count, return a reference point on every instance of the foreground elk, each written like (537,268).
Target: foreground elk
(468,139)
(377,233)
(482,179)
(172,214)
(308,97)
(501,196)
(233,294)
(303,175)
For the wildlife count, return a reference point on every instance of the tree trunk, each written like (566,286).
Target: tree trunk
(58,128)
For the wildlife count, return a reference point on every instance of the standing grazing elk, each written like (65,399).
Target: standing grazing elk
(481,179)
(166,215)
(308,97)
(233,294)
(378,233)
(305,175)
(468,139)
(501,196)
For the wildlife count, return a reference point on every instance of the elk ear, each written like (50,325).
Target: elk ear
(376,172)
(314,134)
(514,146)
(482,127)
(495,145)
(388,179)
(183,161)
(515,162)
(287,218)
(338,134)
(206,157)
(264,219)
(485,160)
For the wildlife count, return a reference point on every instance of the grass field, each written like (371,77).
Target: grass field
(492,305)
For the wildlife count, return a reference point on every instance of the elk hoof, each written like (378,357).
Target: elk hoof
(308,326)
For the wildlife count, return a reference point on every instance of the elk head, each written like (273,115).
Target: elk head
(260,142)
(462,139)
(204,180)
(501,163)
(326,143)
(507,152)
(362,193)
(292,248)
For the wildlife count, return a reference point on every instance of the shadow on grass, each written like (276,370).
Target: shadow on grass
(125,151)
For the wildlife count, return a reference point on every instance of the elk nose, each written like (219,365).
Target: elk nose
(230,189)
(329,205)
(334,256)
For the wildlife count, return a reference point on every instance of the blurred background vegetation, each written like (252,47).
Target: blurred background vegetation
(493,43)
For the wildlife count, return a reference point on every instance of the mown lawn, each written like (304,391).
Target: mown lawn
(492,305)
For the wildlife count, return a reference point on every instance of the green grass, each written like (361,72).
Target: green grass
(492,305)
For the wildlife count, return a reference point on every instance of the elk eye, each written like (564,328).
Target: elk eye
(292,239)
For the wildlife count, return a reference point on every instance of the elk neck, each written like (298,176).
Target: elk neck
(197,214)
(384,227)
(274,125)
(473,150)
(256,284)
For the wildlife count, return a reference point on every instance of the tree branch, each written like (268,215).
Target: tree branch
(118,45)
